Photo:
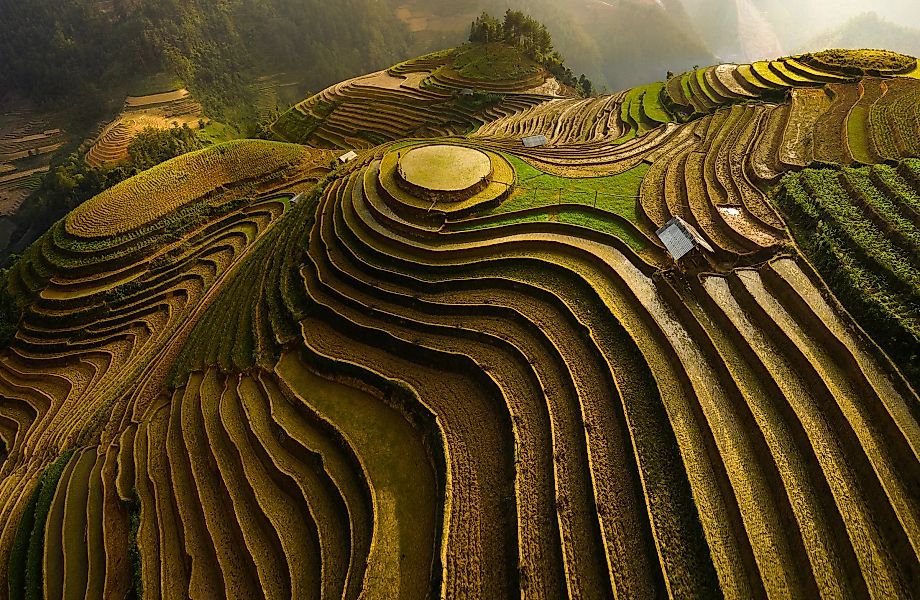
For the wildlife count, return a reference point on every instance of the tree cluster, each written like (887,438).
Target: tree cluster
(152,145)
(75,51)
(10,314)
(533,39)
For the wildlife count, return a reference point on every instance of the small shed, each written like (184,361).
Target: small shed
(348,157)
(467,92)
(534,141)
(297,198)
(680,238)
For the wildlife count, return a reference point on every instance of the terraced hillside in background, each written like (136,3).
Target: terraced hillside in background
(444,93)
(172,108)
(27,142)
(253,371)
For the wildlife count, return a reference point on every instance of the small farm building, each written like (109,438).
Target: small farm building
(534,141)
(680,238)
(348,157)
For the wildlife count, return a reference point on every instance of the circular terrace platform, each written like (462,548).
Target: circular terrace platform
(445,169)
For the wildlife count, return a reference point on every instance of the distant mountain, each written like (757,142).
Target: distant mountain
(757,36)
(749,29)
(739,30)
(82,49)
(869,31)
(638,41)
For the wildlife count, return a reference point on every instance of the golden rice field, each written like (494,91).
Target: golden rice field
(252,372)
(157,192)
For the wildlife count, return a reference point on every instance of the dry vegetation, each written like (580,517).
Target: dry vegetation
(246,373)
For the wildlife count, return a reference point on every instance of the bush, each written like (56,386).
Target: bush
(152,145)
(479,99)
(134,555)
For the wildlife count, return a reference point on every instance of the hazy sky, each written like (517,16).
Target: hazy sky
(801,20)
(756,29)
(830,13)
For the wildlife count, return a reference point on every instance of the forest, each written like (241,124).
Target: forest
(78,50)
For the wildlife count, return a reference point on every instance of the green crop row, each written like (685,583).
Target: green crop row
(257,311)
(896,187)
(839,209)
(884,209)
(846,251)
(25,563)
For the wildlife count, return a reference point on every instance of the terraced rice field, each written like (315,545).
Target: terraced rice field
(160,111)
(28,140)
(424,97)
(250,372)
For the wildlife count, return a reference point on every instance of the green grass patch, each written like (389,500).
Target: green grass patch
(569,216)
(616,194)
(685,85)
(857,140)
(642,110)
(651,104)
(493,62)
(216,132)
(704,85)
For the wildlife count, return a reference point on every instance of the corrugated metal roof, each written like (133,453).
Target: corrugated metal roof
(676,240)
(679,237)
(532,141)
(348,156)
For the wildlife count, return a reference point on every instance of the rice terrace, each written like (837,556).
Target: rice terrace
(458,366)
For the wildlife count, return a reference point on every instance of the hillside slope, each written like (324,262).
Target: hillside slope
(444,93)
(255,372)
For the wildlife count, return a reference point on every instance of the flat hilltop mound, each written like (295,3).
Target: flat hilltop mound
(668,347)
(443,168)
(870,62)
